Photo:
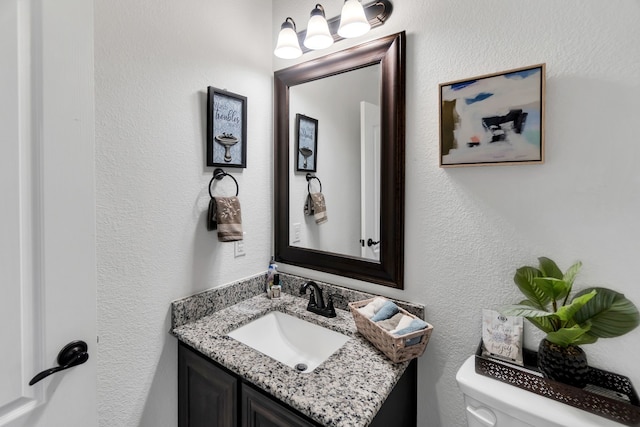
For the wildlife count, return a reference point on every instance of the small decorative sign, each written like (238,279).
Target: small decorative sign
(306,143)
(502,336)
(226,129)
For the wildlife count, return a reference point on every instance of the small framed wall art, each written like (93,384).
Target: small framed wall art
(306,143)
(495,119)
(226,129)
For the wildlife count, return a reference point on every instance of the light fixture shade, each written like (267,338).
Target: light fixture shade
(318,35)
(353,21)
(288,46)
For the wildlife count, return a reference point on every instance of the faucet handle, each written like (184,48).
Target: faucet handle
(312,299)
(330,308)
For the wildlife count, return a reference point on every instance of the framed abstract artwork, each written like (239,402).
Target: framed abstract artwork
(306,143)
(495,119)
(226,129)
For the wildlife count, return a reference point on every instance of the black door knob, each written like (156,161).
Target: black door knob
(72,354)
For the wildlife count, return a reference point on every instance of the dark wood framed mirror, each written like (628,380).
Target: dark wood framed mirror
(389,53)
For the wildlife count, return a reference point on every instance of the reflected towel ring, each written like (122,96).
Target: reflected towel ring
(309,178)
(219,174)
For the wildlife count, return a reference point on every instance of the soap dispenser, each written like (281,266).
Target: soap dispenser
(272,272)
(276,288)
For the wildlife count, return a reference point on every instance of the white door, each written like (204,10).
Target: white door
(47,211)
(370,179)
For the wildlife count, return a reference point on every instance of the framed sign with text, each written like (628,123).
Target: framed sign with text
(306,143)
(226,129)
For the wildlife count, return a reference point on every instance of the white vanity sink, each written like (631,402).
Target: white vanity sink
(290,340)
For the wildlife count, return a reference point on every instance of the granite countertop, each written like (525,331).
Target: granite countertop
(347,389)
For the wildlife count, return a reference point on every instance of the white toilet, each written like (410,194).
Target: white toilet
(489,402)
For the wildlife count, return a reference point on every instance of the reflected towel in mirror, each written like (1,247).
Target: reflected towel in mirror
(225,216)
(316,206)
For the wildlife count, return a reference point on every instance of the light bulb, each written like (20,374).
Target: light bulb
(353,21)
(318,35)
(288,46)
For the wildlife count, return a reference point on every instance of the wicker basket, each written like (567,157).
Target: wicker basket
(394,347)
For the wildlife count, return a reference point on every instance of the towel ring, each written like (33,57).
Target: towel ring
(309,178)
(219,174)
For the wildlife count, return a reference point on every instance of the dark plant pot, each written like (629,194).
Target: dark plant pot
(567,365)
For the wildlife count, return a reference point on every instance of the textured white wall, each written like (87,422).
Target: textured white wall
(467,229)
(153,63)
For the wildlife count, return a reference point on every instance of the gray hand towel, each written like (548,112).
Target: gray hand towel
(316,206)
(225,216)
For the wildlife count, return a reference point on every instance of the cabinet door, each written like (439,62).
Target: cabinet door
(206,393)
(259,410)
(401,407)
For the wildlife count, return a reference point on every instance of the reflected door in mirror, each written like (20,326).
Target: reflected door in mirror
(370,179)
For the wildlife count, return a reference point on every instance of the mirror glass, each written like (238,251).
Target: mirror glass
(344,159)
(326,110)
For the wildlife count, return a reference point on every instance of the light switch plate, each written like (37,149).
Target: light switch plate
(239,247)
(296,232)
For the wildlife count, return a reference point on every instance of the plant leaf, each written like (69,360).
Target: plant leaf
(571,274)
(541,319)
(524,279)
(523,310)
(567,312)
(569,336)
(585,339)
(611,313)
(549,268)
(545,324)
(555,289)
(542,323)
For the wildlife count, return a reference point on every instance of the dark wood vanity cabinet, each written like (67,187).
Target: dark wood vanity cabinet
(211,396)
(207,394)
(259,410)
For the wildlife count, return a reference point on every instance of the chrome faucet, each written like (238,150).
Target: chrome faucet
(316,304)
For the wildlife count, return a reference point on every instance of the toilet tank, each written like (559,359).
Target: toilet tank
(489,402)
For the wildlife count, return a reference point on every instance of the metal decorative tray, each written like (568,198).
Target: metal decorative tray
(607,394)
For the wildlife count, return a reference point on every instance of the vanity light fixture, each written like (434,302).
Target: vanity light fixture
(353,21)
(356,20)
(318,35)
(288,46)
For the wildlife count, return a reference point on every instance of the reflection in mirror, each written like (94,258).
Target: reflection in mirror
(346,162)
(328,89)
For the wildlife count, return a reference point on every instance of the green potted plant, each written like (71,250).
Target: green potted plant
(569,321)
